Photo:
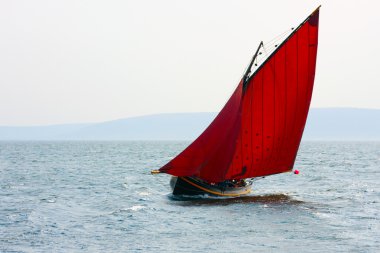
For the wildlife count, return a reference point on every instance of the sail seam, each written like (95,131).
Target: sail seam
(251,126)
(274,110)
(296,110)
(262,116)
(284,139)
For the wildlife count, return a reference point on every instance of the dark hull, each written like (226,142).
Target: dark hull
(191,186)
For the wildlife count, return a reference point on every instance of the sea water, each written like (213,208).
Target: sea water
(100,197)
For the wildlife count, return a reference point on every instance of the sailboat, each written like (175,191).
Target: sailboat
(259,130)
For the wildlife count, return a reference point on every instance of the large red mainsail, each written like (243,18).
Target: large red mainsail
(259,130)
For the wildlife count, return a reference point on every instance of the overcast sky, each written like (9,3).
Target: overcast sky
(90,61)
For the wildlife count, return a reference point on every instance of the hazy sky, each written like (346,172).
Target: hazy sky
(89,61)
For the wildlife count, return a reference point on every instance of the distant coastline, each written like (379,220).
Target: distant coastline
(341,124)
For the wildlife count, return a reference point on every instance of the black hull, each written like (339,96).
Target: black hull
(191,186)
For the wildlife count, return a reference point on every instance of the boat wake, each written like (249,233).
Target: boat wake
(201,200)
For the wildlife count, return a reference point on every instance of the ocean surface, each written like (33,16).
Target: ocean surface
(100,197)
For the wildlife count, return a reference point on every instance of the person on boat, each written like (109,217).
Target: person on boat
(229,183)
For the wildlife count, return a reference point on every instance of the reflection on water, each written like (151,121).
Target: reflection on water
(223,201)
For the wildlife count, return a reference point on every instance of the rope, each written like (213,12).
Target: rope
(269,47)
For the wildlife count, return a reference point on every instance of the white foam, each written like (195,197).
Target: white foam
(136,208)
(144,193)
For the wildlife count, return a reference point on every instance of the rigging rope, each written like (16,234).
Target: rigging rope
(269,47)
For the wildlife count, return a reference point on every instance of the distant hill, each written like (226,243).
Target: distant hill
(343,124)
(323,124)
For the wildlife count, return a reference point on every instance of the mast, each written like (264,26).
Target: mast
(246,75)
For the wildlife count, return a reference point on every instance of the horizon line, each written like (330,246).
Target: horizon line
(155,114)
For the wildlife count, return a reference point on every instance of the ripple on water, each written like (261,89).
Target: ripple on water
(100,197)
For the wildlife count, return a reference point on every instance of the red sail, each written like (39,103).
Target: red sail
(259,130)
(275,106)
(210,155)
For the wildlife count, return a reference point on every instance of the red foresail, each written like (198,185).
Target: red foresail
(210,155)
(275,106)
(259,130)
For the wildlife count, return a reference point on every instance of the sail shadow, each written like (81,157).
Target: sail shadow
(269,199)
